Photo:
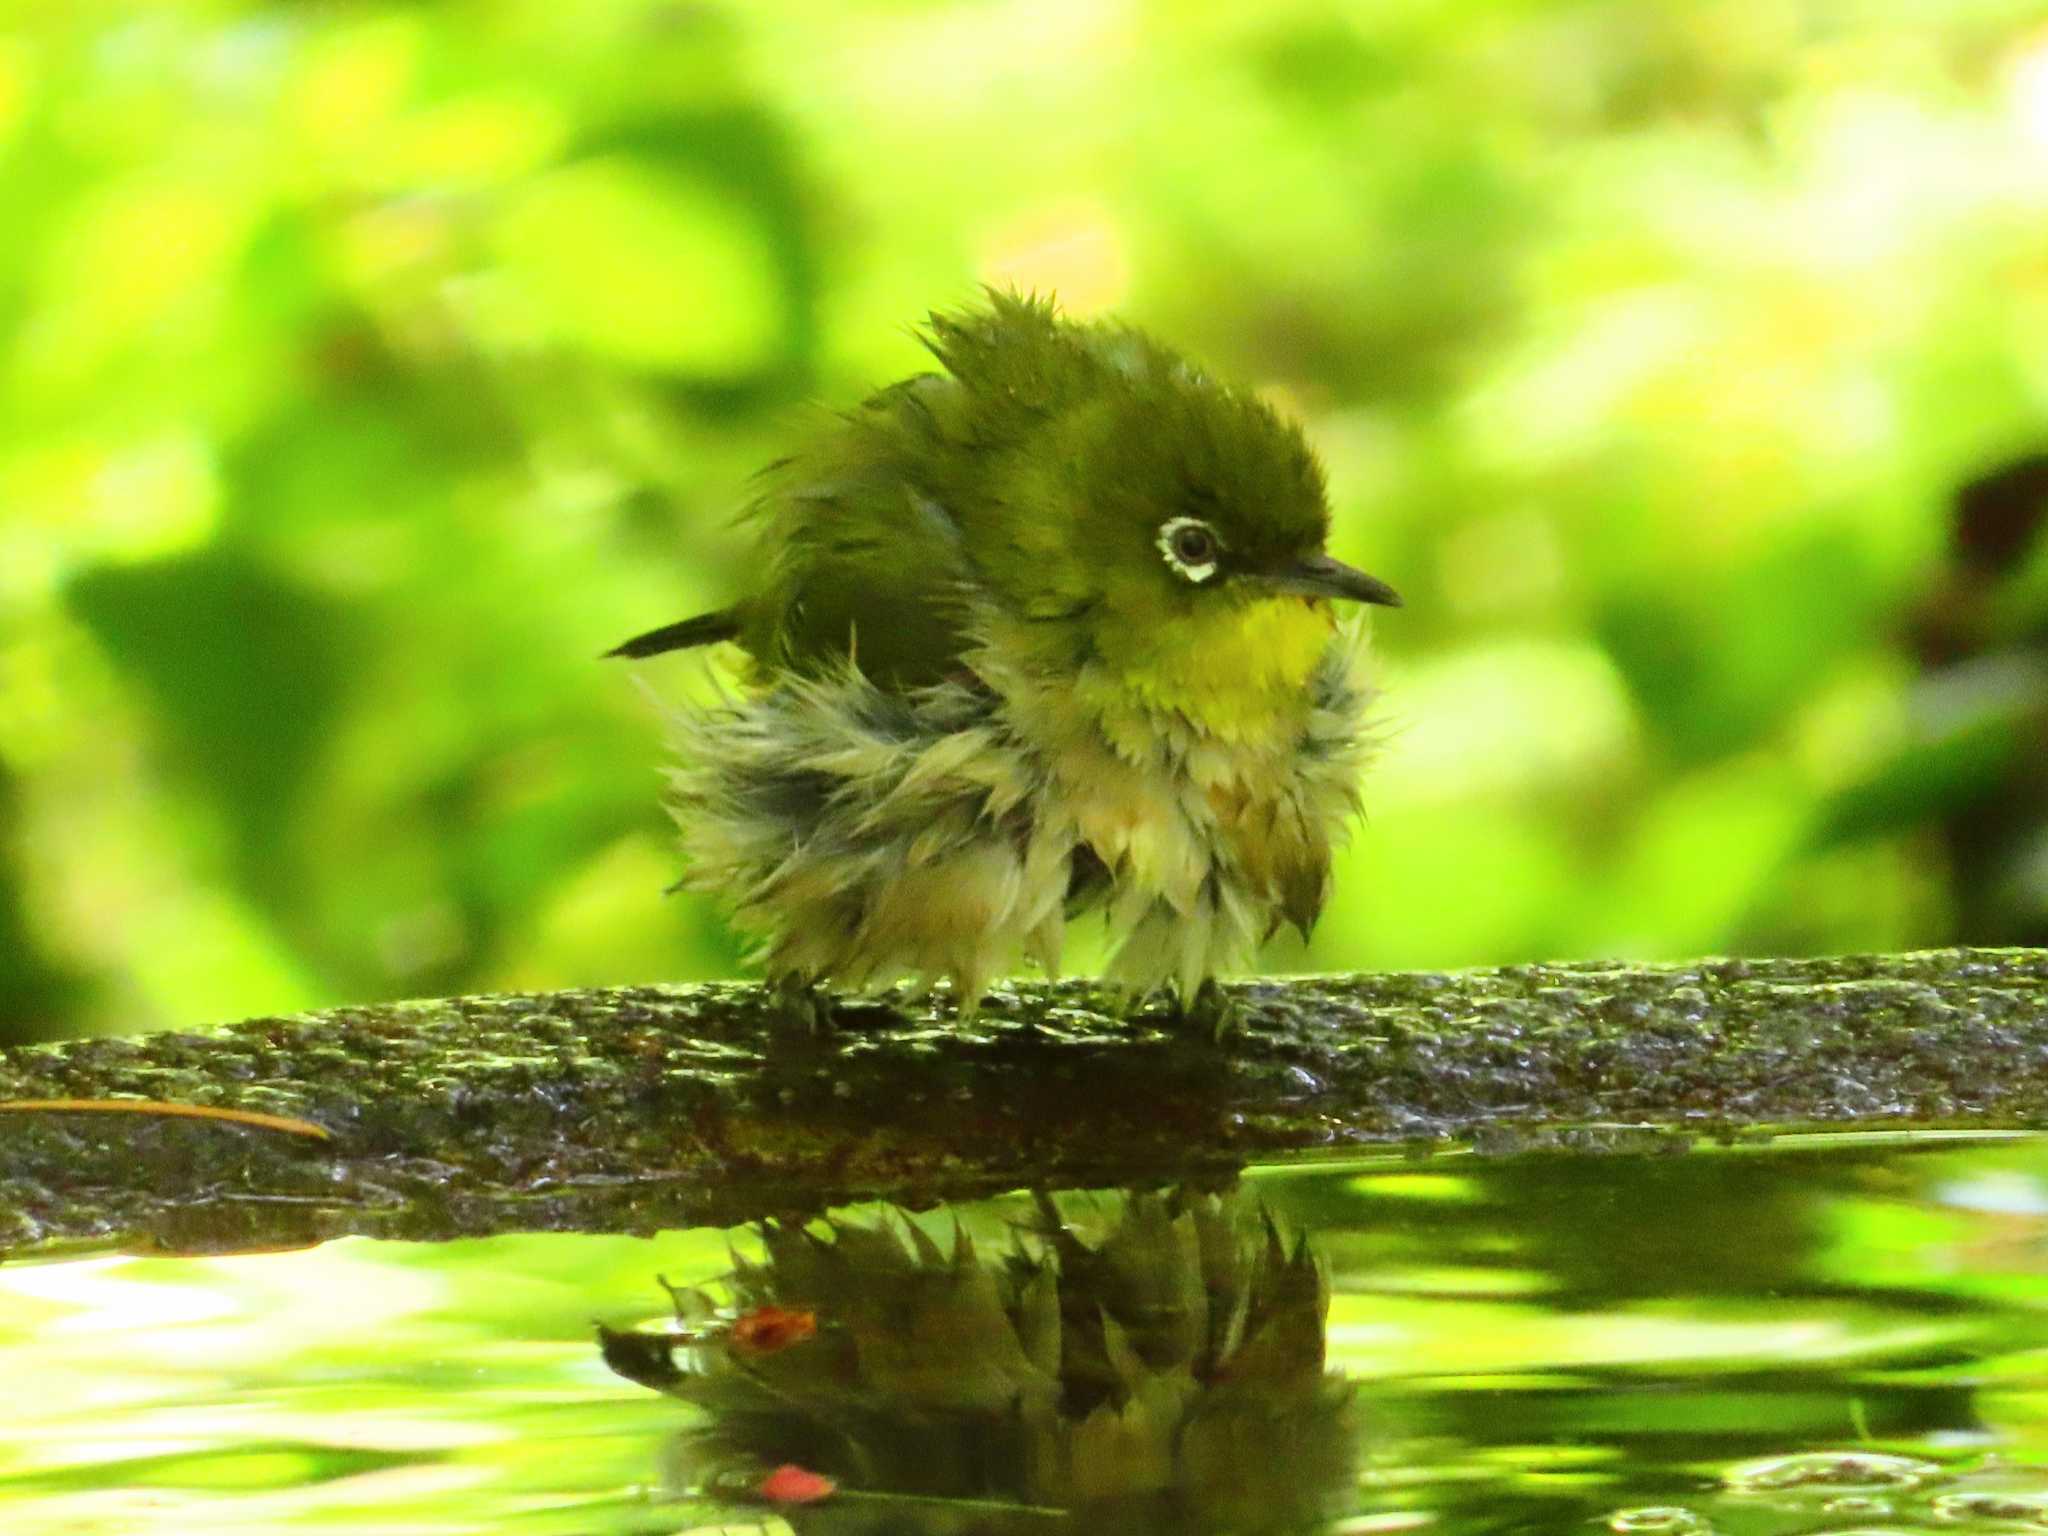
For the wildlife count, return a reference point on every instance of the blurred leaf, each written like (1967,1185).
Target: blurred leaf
(647,269)
(244,672)
(1974,723)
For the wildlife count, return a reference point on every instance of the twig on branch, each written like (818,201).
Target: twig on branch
(635,1108)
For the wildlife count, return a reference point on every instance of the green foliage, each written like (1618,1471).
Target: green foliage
(369,368)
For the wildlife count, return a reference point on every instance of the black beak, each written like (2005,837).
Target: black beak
(1320,576)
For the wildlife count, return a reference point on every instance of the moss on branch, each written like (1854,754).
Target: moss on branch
(635,1108)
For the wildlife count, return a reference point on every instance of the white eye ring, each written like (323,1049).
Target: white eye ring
(1170,537)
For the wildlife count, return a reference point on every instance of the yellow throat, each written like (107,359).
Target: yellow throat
(1239,673)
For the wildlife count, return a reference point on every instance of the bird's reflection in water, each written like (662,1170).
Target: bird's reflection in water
(1143,1363)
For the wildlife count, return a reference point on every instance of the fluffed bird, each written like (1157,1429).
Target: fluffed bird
(1047,633)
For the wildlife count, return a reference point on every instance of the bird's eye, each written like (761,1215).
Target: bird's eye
(1191,547)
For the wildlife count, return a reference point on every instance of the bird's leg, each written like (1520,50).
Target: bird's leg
(800,1003)
(1212,1008)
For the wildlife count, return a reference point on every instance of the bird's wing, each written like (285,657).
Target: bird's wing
(865,555)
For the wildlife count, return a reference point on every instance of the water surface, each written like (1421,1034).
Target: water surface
(1835,1334)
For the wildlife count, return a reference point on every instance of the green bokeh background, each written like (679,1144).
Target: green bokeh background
(366,370)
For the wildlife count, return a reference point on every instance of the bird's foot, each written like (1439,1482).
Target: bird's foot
(1213,1009)
(801,1006)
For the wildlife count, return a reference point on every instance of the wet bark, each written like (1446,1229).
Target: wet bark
(636,1108)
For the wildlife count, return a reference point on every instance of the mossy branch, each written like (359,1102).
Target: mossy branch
(635,1108)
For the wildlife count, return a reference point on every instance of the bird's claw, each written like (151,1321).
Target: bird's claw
(801,1006)
(1212,1008)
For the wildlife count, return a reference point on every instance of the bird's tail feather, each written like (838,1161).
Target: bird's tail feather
(684,633)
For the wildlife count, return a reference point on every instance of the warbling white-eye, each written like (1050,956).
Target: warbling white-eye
(1045,634)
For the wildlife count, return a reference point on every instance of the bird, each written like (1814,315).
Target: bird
(1047,632)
